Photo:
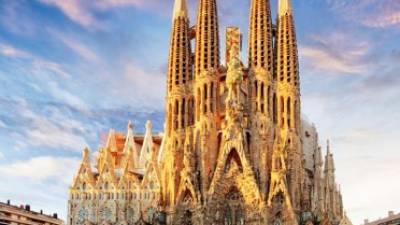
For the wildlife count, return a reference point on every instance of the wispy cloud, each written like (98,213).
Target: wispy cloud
(84,12)
(17,19)
(149,85)
(53,130)
(2,124)
(387,18)
(325,60)
(79,48)
(336,54)
(10,51)
(42,168)
(74,10)
(67,97)
(370,13)
(37,63)
(40,65)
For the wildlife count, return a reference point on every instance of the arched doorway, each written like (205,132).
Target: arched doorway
(234,211)
(187,218)
(233,159)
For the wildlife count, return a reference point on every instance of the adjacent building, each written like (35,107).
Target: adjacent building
(23,215)
(234,150)
(391,219)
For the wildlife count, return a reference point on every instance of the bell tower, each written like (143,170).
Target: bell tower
(207,65)
(288,96)
(180,101)
(261,89)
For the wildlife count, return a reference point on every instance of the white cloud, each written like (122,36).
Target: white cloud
(374,184)
(386,19)
(17,19)
(64,96)
(83,12)
(79,48)
(45,182)
(145,84)
(53,131)
(42,168)
(142,88)
(333,53)
(2,124)
(133,87)
(38,64)
(75,10)
(10,51)
(325,61)
(370,13)
(104,4)
(1,155)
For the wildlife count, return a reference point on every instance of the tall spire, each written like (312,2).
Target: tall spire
(179,68)
(207,37)
(287,69)
(288,96)
(329,171)
(329,162)
(260,35)
(285,7)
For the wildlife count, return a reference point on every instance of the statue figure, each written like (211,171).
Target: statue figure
(235,74)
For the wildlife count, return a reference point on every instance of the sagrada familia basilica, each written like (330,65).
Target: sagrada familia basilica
(234,150)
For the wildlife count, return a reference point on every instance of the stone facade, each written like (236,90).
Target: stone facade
(234,151)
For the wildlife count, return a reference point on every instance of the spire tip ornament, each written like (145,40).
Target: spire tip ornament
(180,9)
(285,7)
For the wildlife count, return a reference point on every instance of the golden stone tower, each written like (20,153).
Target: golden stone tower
(234,150)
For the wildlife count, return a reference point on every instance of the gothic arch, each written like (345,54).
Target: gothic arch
(233,157)
(187,197)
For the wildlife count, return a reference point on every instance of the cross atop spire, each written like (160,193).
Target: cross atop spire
(180,9)
(285,7)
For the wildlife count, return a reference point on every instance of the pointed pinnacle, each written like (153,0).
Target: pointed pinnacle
(285,7)
(328,146)
(130,125)
(180,9)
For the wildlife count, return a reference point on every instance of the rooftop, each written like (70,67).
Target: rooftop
(27,209)
(391,217)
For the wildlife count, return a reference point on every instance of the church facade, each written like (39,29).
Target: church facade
(234,149)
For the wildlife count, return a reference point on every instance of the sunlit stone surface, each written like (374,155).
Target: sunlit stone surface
(234,150)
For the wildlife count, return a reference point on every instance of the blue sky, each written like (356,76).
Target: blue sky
(71,70)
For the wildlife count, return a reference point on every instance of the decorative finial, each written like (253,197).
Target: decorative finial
(328,146)
(130,125)
(85,153)
(149,125)
(285,7)
(180,9)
